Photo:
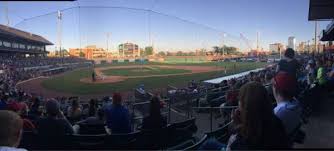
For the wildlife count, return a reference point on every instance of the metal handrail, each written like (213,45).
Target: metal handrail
(222,107)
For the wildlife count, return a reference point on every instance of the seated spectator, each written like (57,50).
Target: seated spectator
(141,89)
(311,72)
(287,110)
(155,120)
(10,131)
(21,109)
(93,124)
(232,94)
(288,63)
(55,123)
(3,103)
(97,119)
(92,107)
(192,85)
(256,125)
(117,116)
(321,73)
(268,85)
(74,112)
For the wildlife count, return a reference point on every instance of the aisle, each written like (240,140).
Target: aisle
(320,129)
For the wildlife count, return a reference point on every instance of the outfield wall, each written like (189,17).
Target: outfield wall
(167,59)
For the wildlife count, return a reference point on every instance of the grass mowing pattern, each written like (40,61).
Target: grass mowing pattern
(129,72)
(70,81)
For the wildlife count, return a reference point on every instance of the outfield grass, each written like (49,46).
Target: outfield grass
(70,83)
(144,71)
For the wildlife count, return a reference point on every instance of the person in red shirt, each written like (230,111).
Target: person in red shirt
(21,109)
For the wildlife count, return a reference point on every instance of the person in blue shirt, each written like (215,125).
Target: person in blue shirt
(117,116)
(287,110)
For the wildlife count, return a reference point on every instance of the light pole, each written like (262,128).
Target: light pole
(224,35)
(108,37)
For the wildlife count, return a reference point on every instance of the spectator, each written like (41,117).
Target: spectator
(92,107)
(10,131)
(256,125)
(93,124)
(288,63)
(287,109)
(155,120)
(55,123)
(18,108)
(232,94)
(74,112)
(321,73)
(311,72)
(118,117)
(97,119)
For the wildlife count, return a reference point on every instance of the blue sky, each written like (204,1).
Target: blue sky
(275,20)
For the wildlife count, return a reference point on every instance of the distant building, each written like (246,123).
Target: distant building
(301,47)
(128,50)
(89,52)
(276,47)
(292,42)
(18,42)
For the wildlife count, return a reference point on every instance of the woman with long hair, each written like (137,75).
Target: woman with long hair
(256,125)
(74,112)
(155,120)
(92,107)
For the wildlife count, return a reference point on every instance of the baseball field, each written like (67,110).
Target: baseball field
(123,77)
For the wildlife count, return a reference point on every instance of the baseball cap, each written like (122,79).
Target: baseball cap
(283,81)
(52,107)
(15,106)
(310,62)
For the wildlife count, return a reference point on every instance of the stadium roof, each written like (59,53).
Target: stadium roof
(22,34)
(321,10)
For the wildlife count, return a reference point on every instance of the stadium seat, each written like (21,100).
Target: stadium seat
(179,132)
(28,140)
(88,141)
(53,142)
(90,129)
(221,134)
(197,144)
(122,141)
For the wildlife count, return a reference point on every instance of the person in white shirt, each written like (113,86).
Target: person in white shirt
(10,131)
(288,109)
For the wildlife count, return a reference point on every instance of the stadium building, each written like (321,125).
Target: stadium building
(128,50)
(17,42)
(89,52)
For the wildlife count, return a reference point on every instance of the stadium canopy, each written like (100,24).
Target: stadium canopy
(321,10)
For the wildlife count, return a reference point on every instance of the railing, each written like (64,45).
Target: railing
(140,109)
(329,26)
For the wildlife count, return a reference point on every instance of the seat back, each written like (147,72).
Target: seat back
(122,141)
(179,132)
(53,142)
(220,134)
(198,144)
(92,129)
(88,142)
(28,140)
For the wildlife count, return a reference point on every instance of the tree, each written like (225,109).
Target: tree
(179,53)
(142,52)
(161,53)
(81,54)
(191,54)
(216,49)
(148,51)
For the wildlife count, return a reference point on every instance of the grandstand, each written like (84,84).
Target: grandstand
(15,41)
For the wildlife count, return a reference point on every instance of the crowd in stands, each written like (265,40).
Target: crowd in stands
(256,124)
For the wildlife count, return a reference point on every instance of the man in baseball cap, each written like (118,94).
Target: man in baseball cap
(287,109)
